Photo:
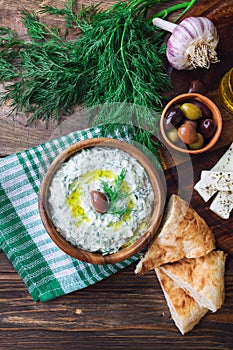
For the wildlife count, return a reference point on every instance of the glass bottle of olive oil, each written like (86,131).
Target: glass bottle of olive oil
(226,90)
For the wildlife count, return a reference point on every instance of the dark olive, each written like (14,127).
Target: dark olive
(207,128)
(99,201)
(197,86)
(173,118)
(206,113)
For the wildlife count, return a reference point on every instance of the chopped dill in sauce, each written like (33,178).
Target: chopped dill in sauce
(107,170)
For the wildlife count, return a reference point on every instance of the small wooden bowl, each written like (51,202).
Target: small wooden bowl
(124,253)
(215,114)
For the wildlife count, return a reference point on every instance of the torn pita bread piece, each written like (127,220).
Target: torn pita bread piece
(182,234)
(185,311)
(202,278)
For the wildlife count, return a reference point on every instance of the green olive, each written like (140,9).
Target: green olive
(191,111)
(199,143)
(173,135)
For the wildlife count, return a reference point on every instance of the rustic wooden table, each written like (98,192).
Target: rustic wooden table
(124,311)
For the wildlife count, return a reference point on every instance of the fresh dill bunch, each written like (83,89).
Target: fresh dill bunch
(73,20)
(98,67)
(127,70)
(47,85)
(114,193)
(49,72)
(10,46)
(114,56)
(127,67)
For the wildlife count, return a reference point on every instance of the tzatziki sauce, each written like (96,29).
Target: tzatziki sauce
(71,209)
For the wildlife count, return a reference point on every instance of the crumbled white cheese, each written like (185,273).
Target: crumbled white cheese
(205,193)
(225,163)
(218,180)
(222,204)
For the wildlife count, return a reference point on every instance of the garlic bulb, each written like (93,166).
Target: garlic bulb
(192,43)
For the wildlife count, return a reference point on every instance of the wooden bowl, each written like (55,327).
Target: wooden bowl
(124,253)
(216,115)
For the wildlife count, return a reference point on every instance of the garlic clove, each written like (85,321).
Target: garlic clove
(192,43)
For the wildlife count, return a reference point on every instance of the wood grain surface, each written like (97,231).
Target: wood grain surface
(124,311)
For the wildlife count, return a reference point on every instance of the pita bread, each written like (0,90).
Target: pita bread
(185,311)
(182,234)
(202,278)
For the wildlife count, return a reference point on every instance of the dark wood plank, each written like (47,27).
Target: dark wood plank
(124,311)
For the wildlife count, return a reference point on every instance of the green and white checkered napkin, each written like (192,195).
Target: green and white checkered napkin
(45,269)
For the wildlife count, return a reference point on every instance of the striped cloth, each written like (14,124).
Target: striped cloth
(45,269)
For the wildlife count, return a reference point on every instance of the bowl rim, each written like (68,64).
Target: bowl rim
(156,216)
(217,116)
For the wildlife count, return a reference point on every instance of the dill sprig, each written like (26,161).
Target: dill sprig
(115,194)
(103,57)
(10,46)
